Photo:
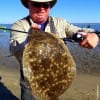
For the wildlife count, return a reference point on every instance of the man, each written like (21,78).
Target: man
(39,18)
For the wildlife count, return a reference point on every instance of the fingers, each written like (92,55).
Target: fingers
(85,44)
(36,26)
(90,41)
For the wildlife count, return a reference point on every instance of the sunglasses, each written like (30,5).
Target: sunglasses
(39,5)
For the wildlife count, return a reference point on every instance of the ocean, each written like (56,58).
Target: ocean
(4,36)
(95,26)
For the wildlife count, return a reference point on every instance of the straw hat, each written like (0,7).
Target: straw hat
(52,2)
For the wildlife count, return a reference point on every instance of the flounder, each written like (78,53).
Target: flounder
(48,66)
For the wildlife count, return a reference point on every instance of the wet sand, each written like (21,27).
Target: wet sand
(9,85)
(85,86)
(9,77)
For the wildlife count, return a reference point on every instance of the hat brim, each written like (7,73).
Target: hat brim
(52,3)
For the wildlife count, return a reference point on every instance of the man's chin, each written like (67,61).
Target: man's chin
(40,20)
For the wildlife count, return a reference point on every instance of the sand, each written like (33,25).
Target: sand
(9,77)
(86,85)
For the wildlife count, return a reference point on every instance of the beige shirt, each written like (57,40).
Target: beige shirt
(63,29)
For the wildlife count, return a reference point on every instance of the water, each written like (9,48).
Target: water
(4,36)
(95,26)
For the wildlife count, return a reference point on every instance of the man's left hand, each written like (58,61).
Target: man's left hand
(90,40)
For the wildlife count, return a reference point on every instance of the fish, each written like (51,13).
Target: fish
(48,65)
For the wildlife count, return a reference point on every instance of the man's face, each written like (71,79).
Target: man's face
(39,12)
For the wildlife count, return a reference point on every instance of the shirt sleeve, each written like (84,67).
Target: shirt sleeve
(18,40)
(71,29)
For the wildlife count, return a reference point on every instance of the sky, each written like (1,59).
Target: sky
(74,11)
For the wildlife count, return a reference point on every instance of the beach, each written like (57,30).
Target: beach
(9,76)
(85,86)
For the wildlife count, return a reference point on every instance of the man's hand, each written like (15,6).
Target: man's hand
(90,40)
(35,26)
